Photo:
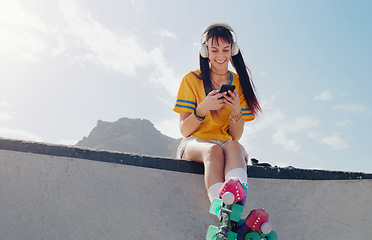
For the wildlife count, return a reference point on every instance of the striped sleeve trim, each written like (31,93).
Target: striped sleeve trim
(246,112)
(184,104)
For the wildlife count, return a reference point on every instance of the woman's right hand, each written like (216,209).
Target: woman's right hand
(211,102)
(189,124)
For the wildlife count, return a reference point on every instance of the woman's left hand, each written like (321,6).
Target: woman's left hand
(233,101)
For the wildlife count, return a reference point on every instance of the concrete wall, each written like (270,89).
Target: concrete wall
(90,194)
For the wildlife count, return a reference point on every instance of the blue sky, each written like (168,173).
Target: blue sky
(66,64)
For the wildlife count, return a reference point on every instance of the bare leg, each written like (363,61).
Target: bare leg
(235,156)
(211,155)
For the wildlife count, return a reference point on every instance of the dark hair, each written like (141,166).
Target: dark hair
(224,34)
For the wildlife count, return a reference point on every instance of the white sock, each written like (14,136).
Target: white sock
(213,191)
(238,173)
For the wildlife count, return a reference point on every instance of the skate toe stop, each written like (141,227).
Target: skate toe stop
(228,198)
(266,228)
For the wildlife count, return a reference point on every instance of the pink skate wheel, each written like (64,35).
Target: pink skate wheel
(228,198)
(266,228)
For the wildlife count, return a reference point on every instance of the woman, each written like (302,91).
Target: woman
(213,122)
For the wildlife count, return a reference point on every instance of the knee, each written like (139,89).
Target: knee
(234,146)
(214,154)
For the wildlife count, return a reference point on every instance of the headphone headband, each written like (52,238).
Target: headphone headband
(218,25)
(204,49)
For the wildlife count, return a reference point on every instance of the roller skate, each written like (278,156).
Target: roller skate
(228,209)
(255,227)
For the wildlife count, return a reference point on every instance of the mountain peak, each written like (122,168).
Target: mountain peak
(130,135)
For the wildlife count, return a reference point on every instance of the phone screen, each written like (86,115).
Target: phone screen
(225,88)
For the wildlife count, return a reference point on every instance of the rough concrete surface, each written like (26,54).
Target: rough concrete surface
(46,197)
(49,197)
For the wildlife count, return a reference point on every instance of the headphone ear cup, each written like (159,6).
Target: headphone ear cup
(204,51)
(234,49)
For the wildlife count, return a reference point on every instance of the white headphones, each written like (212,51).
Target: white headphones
(204,49)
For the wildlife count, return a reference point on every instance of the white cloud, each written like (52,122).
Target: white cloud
(335,141)
(343,123)
(169,127)
(324,96)
(314,134)
(268,104)
(162,74)
(280,138)
(301,123)
(20,32)
(69,142)
(169,104)
(11,13)
(263,73)
(18,134)
(247,139)
(134,3)
(167,34)
(4,104)
(353,108)
(5,116)
(274,120)
(122,53)
(271,118)
(61,47)
(104,47)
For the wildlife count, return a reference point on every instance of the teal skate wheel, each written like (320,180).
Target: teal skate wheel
(215,206)
(271,236)
(253,236)
(236,212)
(211,234)
(232,236)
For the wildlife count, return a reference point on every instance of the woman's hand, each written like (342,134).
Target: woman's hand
(189,123)
(236,129)
(233,102)
(211,102)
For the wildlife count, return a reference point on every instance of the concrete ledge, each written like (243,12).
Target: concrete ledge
(50,197)
(171,164)
(56,192)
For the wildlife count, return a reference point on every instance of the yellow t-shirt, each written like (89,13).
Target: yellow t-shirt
(216,124)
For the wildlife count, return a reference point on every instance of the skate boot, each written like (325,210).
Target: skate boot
(227,207)
(256,227)
(242,202)
(240,226)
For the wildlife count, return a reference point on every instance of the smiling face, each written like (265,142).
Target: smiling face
(219,54)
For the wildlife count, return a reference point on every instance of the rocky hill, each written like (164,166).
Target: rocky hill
(130,135)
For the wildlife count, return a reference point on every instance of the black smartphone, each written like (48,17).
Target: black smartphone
(225,88)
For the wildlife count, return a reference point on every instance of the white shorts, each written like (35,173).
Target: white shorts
(185,141)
